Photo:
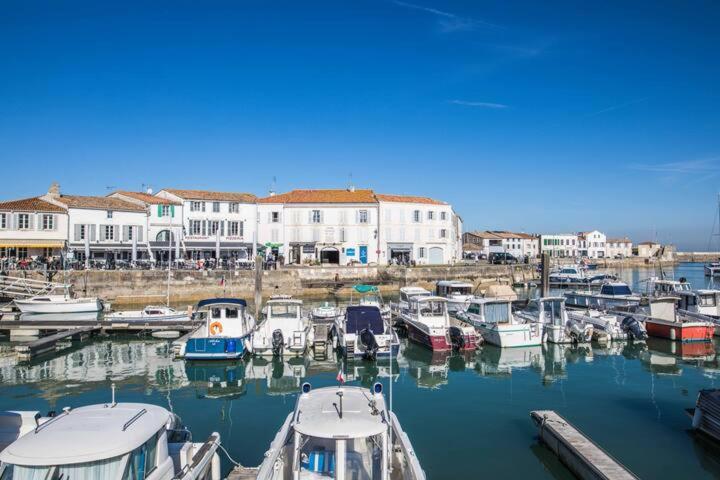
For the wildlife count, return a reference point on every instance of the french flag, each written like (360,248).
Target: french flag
(340,376)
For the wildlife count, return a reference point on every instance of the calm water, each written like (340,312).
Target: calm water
(463,413)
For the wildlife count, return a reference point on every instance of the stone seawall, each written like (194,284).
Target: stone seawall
(139,287)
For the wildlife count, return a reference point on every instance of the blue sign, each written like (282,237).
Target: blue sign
(363,254)
(350,252)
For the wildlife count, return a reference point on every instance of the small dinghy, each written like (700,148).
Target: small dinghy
(610,327)
(326,312)
(342,433)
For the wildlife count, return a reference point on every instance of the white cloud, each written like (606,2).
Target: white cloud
(449,22)
(467,103)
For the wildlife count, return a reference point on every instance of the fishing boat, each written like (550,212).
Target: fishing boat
(708,302)
(64,303)
(459,294)
(283,331)
(550,314)
(342,433)
(494,320)
(609,327)
(116,440)
(225,334)
(666,320)
(364,332)
(428,324)
(612,295)
(158,313)
(326,312)
(403,303)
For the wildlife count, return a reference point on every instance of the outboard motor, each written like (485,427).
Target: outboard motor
(633,328)
(580,333)
(278,342)
(367,339)
(457,339)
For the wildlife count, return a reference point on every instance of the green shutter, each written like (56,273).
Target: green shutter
(172,211)
(159,210)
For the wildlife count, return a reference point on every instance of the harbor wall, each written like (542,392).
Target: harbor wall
(140,287)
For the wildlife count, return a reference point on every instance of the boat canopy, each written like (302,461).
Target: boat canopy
(365,288)
(359,317)
(214,301)
(615,289)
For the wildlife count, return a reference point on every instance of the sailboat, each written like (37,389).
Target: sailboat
(712,269)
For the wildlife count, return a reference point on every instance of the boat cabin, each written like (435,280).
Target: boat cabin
(668,287)
(446,288)
(406,293)
(431,311)
(360,317)
(123,440)
(615,289)
(550,310)
(709,301)
(224,317)
(284,308)
(491,310)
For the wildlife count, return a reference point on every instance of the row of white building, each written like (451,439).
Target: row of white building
(593,244)
(301,226)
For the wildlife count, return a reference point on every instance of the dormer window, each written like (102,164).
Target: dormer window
(216,207)
(234,207)
(109,214)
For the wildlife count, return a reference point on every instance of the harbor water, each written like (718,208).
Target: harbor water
(467,415)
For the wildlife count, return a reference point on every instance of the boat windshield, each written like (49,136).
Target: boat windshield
(319,457)
(432,309)
(284,310)
(569,270)
(707,300)
(553,311)
(615,290)
(497,312)
(359,318)
(459,290)
(110,468)
(370,300)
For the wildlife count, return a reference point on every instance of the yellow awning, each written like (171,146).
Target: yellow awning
(21,244)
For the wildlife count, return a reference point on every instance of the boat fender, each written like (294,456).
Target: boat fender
(216,328)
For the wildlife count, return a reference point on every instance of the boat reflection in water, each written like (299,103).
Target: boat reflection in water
(667,357)
(280,376)
(430,368)
(217,379)
(496,361)
(367,372)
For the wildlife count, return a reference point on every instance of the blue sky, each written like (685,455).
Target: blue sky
(525,115)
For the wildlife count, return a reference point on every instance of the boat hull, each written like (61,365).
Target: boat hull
(437,342)
(680,331)
(32,306)
(513,336)
(215,348)
(179,317)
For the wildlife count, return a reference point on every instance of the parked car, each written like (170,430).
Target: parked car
(501,258)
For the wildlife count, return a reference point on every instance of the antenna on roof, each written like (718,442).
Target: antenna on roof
(272,186)
(351,186)
(110,187)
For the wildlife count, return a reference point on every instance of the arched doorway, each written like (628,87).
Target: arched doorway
(330,255)
(164,236)
(436,256)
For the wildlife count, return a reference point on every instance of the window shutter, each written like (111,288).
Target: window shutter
(279,217)
(172,211)
(31,221)
(204,227)
(222,228)
(55,221)
(77,232)
(139,233)
(310,219)
(93,231)
(357,216)
(269,217)
(125,232)
(322,216)
(203,206)
(102,233)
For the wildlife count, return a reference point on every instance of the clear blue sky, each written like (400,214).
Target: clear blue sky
(534,116)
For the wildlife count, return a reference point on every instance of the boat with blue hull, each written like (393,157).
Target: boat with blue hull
(226,332)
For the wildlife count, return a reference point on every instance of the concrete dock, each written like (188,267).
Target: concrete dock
(50,343)
(576,451)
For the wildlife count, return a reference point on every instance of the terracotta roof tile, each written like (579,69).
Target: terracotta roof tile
(99,203)
(33,204)
(215,196)
(619,240)
(147,198)
(322,196)
(408,199)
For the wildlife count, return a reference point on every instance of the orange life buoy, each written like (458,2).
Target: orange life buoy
(215,328)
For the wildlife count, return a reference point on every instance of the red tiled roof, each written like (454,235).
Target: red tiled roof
(500,234)
(619,240)
(322,196)
(383,197)
(147,198)
(33,204)
(99,203)
(213,196)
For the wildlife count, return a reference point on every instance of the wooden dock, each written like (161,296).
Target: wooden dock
(50,325)
(50,343)
(583,457)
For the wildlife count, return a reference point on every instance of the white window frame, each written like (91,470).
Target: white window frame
(233,207)
(111,230)
(165,210)
(417,216)
(3,221)
(48,221)
(443,216)
(109,214)
(274,217)
(216,207)
(363,216)
(443,233)
(233,228)
(316,216)
(26,225)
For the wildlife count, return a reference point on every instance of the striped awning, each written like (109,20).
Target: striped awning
(26,244)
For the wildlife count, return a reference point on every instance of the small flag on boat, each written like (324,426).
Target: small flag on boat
(222,281)
(341,376)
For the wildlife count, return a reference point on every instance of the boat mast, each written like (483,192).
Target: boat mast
(169,263)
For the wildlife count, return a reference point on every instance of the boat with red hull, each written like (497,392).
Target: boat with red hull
(667,321)
(428,324)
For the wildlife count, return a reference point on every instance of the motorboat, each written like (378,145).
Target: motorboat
(708,302)
(116,440)
(568,274)
(550,313)
(342,433)
(428,323)
(609,327)
(226,332)
(59,304)
(283,331)
(90,317)
(661,287)
(364,332)
(403,303)
(712,269)
(150,313)
(494,320)
(370,297)
(666,320)
(612,295)
(459,294)
(326,312)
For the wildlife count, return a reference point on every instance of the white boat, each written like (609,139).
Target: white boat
(612,295)
(364,332)
(283,331)
(428,323)
(712,269)
(343,433)
(107,441)
(568,274)
(406,294)
(370,297)
(609,326)
(708,304)
(494,320)
(326,312)
(459,294)
(149,313)
(59,304)
(550,313)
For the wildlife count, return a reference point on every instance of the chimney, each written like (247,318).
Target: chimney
(54,190)
(272,193)
(149,191)
(352,188)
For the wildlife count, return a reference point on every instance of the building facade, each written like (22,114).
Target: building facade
(619,247)
(563,245)
(215,224)
(519,245)
(592,244)
(32,227)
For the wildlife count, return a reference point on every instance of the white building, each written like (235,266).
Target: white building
(619,247)
(592,244)
(213,221)
(517,244)
(559,245)
(164,222)
(32,227)
(325,226)
(418,229)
